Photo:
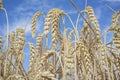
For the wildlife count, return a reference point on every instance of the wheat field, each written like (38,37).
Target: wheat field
(72,55)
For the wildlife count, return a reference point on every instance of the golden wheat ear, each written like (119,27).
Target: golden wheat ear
(20,38)
(34,21)
(52,20)
(94,21)
(48,19)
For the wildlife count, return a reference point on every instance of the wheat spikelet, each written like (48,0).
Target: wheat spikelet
(115,21)
(69,65)
(115,18)
(1,6)
(111,28)
(38,44)
(118,19)
(115,29)
(117,32)
(117,63)
(47,24)
(103,56)
(48,21)
(12,37)
(32,58)
(70,35)
(116,42)
(0,42)
(34,20)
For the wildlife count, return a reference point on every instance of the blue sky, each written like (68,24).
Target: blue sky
(20,12)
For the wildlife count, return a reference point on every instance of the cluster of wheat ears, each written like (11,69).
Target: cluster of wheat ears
(73,54)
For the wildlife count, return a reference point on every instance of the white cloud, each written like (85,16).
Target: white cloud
(26,22)
(27,9)
(32,6)
(25,12)
(21,23)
